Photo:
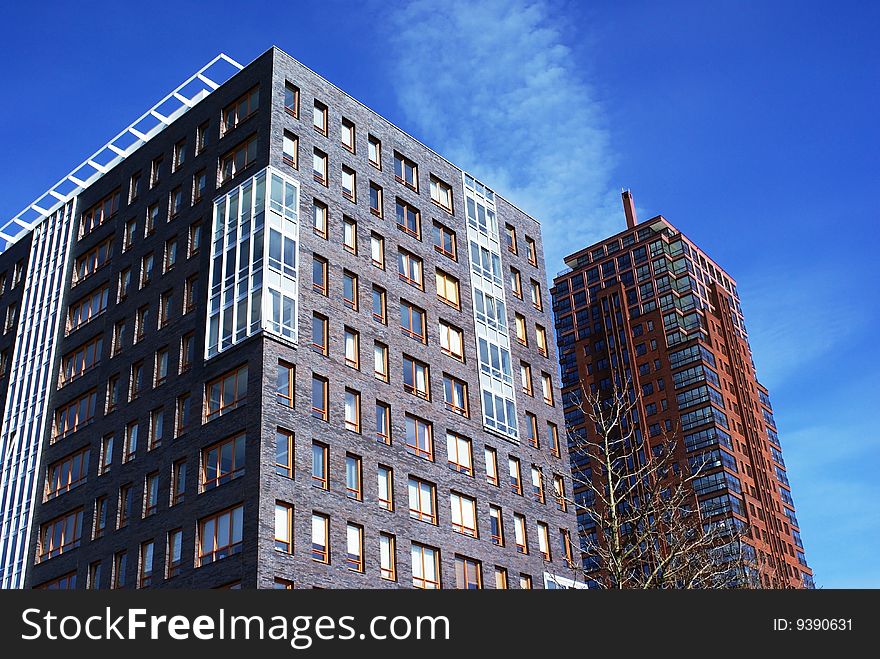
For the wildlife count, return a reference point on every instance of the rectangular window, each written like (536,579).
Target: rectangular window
(416,377)
(547,388)
(521,329)
(166,304)
(283,527)
(515,475)
(380,361)
(290,149)
(422,500)
(409,269)
(516,283)
(226,393)
(532,251)
(285,384)
(195,239)
(170,259)
(319,218)
(75,415)
(124,284)
(349,183)
(441,194)
(553,438)
(100,517)
(387,557)
(202,137)
(132,433)
(537,302)
(468,573)
(184,414)
(519,532)
(537,484)
(379,305)
(320,538)
(130,234)
(491,466)
(178,482)
(320,395)
(460,455)
(85,309)
(147,264)
(383,423)
(138,381)
(200,185)
(187,351)
(444,240)
(156,171)
(126,505)
(151,494)
(350,289)
(284,452)
(352,410)
(319,117)
(320,167)
(377,250)
(544,541)
(319,275)
(525,374)
(103,210)
(386,487)
(455,395)
(120,567)
(510,238)
(320,466)
(541,340)
(347,136)
(81,360)
(220,535)
(349,235)
(354,547)
(451,341)
(354,477)
(92,261)
(174,553)
(409,219)
(413,321)
(235,161)
(157,428)
(291,99)
(106,455)
(532,430)
(559,491)
(500,578)
(406,171)
(375,151)
(496,526)
(419,440)
(464,514)
(141,323)
(376,199)
(320,334)
(448,289)
(239,110)
(223,462)
(425,567)
(67,473)
(175,202)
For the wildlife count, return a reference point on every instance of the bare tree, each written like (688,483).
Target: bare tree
(645,528)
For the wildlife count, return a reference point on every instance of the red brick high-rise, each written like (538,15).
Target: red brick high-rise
(649,307)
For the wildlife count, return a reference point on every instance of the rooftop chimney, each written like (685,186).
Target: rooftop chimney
(629,208)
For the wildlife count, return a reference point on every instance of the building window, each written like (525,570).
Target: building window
(525,374)
(379,305)
(441,194)
(106,455)
(386,487)
(521,329)
(155,171)
(349,184)
(130,234)
(118,337)
(166,303)
(320,407)
(290,149)
(138,381)
(285,384)
(500,578)
(412,321)
(375,152)
(537,484)
(201,137)
(425,567)
(468,573)
(124,284)
(104,210)
(541,340)
(81,360)
(282,584)
(559,492)
(223,462)
(157,428)
(448,289)
(510,238)
(319,117)
(283,527)
(416,377)
(200,185)
(383,423)
(347,136)
(525,581)
(320,466)
(380,361)
(532,429)
(100,517)
(319,217)
(491,466)
(320,332)
(352,410)
(537,302)
(350,290)
(496,526)
(544,541)
(80,312)
(174,553)
(451,341)
(187,351)
(422,500)
(319,275)
(519,532)
(320,167)
(565,545)
(515,475)
(320,538)
(175,202)
(65,474)
(409,269)
(387,557)
(235,161)
(464,514)
(376,199)
(444,240)
(419,440)
(226,393)
(291,99)
(354,547)
(240,109)
(220,535)
(532,251)
(516,283)
(284,452)
(408,219)
(455,395)
(547,388)
(92,261)
(170,259)
(377,250)
(75,415)
(141,322)
(460,455)
(178,482)
(145,570)
(195,239)
(553,438)
(126,505)
(406,171)
(354,477)
(120,567)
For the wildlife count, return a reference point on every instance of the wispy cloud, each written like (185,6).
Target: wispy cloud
(492,85)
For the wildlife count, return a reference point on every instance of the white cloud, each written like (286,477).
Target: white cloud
(492,86)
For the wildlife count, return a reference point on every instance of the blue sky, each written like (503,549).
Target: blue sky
(751,126)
